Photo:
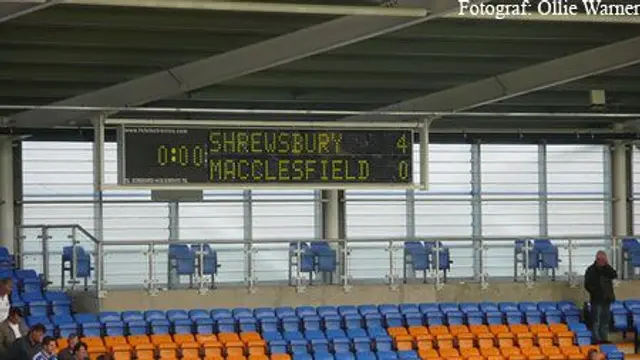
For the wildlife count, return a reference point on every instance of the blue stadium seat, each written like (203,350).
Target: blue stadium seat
(291,323)
(107,316)
(345,356)
(467,307)
(446,307)
(495,318)
(221,313)
(362,344)
(199,314)
(175,314)
(331,322)
(373,321)
(533,317)
(454,318)
(159,326)
(388,308)
(440,252)
(64,325)
(571,315)
(209,258)
(387,355)
(513,317)
(83,266)
(293,335)
(247,324)
(302,311)
(136,327)
(475,318)
(416,258)
(341,344)
(336,334)
(527,306)
(6,259)
(319,345)
(264,312)
(352,321)
(269,324)
(314,335)
(363,355)
(311,322)
(547,305)
(298,346)
(182,260)
(407,308)
(204,325)
(132,316)
(365,310)
(114,328)
(488,306)
(36,304)
(327,310)
(347,310)
(323,356)
(393,320)
(278,347)
(382,343)
(426,308)
(357,333)
(182,326)
(508,306)
(553,316)
(434,318)
(28,280)
(285,311)
(150,315)
(377,332)
(226,325)
(242,312)
(413,319)
(408,355)
(620,319)
(272,336)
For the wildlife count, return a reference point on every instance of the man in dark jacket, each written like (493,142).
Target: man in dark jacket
(28,346)
(598,280)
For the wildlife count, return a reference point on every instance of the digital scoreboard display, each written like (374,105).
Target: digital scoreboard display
(208,156)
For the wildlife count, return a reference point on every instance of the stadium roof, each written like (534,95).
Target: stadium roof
(73,54)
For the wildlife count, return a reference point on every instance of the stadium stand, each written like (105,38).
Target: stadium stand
(429,331)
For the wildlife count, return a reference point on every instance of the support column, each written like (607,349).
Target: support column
(543,203)
(247,211)
(619,188)
(6,193)
(476,209)
(174,235)
(98,209)
(333,223)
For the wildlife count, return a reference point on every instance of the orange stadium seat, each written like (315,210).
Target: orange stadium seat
(120,351)
(250,336)
(404,342)
(203,338)
(144,351)
(280,357)
(183,338)
(168,350)
(485,340)
(190,350)
(418,330)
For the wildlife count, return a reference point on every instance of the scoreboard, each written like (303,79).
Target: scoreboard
(223,156)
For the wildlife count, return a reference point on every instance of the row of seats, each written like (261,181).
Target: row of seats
(362,310)
(133,323)
(250,344)
(185,259)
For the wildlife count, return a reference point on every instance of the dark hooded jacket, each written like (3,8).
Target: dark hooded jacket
(598,280)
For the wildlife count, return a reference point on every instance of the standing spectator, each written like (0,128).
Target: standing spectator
(598,280)
(67,353)
(6,285)
(48,351)
(80,351)
(28,346)
(10,330)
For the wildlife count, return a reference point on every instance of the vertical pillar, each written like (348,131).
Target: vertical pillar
(411,214)
(247,210)
(608,194)
(333,224)
(98,210)
(619,188)
(174,235)
(6,193)
(543,204)
(476,208)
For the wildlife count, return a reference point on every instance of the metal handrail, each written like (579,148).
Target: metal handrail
(392,244)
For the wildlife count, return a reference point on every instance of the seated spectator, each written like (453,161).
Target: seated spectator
(10,330)
(80,351)
(28,346)
(67,353)
(6,285)
(48,351)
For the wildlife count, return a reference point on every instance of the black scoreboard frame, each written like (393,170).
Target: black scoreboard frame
(121,160)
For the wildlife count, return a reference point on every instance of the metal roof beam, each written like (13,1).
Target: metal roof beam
(14,9)
(529,79)
(249,59)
